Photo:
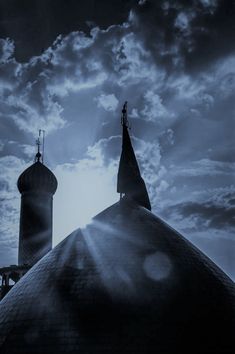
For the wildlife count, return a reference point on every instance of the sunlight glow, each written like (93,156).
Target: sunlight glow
(82,193)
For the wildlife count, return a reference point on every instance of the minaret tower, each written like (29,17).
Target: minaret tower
(37,185)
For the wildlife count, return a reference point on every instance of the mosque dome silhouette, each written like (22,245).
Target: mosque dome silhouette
(127,283)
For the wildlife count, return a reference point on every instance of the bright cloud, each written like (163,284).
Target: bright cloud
(107,102)
(10,167)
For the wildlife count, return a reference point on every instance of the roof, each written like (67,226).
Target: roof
(127,283)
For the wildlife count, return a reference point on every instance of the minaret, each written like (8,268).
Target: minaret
(130,183)
(37,184)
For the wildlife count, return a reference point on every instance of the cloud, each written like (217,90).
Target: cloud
(6,50)
(118,59)
(182,21)
(206,215)
(11,167)
(107,102)
(197,32)
(1,145)
(154,108)
(206,218)
(211,209)
(206,167)
(209,4)
(24,94)
(174,64)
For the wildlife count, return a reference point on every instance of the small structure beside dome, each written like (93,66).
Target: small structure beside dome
(37,185)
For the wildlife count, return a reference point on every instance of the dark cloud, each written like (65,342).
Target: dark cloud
(188,34)
(191,33)
(218,212)
(215,216)
(34,25)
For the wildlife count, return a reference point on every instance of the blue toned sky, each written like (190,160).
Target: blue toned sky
(69,69)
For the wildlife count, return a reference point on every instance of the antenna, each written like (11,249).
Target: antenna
(42,132)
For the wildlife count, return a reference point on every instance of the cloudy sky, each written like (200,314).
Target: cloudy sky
(68,66)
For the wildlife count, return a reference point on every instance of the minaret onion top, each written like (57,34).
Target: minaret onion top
(37,177)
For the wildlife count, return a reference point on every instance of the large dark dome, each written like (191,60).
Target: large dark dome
(127,283)
(37,177)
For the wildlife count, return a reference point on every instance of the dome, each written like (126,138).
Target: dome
(37,177)
(127,283)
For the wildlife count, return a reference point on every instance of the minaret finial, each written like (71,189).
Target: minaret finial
(41,131)
(39,156)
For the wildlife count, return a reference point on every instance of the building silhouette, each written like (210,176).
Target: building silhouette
(127,283)
(37,184)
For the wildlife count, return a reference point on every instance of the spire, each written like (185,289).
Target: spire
(130,181)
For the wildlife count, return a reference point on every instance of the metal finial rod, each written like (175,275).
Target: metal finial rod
(41,131)
(38,154)
(38,143)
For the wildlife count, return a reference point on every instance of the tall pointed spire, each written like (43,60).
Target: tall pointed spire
(130,181)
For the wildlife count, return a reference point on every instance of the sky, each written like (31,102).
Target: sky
(68,66)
